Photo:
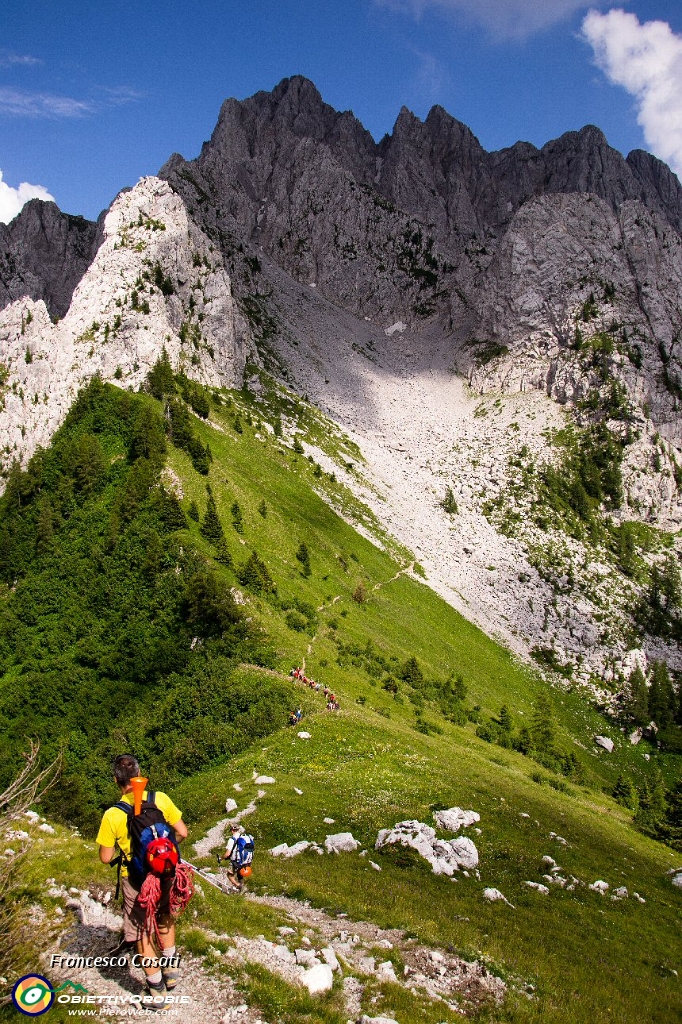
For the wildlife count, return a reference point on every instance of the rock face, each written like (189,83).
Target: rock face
(156,282)
(410,224)
(44,254)
(549,278)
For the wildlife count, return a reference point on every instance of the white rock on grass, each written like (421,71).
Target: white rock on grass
(32,817)
(318,979)
(298,791)
(329,821)
(453,819)
(495,896)
(342,842)
(620,893)
(92,914)
(445,857)
(465,851)
(285,851)
(264,780)
(306,957)
(386,972)
(303,735)
(46,828)
(538,886)
(599,886)
(374,865)
(377,1020)
(677,878)
(605,743)
(330,958)
(230,805)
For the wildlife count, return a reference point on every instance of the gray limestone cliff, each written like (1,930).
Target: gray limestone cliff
(44,254)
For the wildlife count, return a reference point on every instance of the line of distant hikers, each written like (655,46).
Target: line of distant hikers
(331,698)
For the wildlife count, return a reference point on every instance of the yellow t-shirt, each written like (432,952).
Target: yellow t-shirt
(113,830)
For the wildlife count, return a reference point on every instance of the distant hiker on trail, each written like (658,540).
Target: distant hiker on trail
(299,714)
(239,852)
(293,718)
(146,828)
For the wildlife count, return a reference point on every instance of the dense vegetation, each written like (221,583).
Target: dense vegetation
(115,631)
(123,627)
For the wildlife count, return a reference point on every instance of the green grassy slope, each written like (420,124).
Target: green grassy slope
(390,754)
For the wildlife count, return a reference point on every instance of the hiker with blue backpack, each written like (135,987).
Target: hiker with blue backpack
(147,827)
(239,852)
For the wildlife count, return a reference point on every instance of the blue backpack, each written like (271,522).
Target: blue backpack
(242,855)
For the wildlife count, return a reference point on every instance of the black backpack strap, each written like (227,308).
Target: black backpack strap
(151,797)
(118,864)
(123,806)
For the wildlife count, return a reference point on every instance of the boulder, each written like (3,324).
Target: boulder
(677,880)
(318,979)
(283,850)
(465,852)
(445,857)
(306,957)
(264,780)
(605,743)
(386,972)
(303,735)
(494,896)
(455,818)
(342,842)
(599,886)
(538,886)
(230,805)
(635,736)
(330,958)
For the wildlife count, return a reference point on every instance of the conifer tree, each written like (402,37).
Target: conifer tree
(211,528)
(193,511)
(624,792)
(542,728)
(237,520)
(505,720)
(254,575)
(673,816)
(637,698)
(303,556)
(652,806)
(263,509)
(662,698)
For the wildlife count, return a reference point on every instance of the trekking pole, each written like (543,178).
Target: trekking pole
(207,878)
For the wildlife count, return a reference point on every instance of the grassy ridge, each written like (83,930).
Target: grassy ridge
(371,764)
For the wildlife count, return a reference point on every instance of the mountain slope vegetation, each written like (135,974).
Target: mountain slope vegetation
(156,602)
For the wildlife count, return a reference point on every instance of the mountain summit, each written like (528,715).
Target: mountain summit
(500,330)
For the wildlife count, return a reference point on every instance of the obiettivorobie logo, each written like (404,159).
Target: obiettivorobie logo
(33,994)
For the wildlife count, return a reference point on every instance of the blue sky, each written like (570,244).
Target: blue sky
(94,95)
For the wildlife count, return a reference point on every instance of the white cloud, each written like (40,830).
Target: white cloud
(12,60)
(12,199)
(647,61)
(39,104)
(505,19)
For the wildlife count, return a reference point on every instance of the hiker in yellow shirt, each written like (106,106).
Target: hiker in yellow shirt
(113,832)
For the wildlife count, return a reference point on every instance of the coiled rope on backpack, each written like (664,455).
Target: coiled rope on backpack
(181,893)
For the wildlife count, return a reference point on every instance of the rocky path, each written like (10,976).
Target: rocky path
(358,953)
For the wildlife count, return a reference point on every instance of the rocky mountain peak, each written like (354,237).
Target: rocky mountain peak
(156,283)
(44,254)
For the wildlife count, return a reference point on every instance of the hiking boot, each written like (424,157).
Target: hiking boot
(158,993)
(171,976)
